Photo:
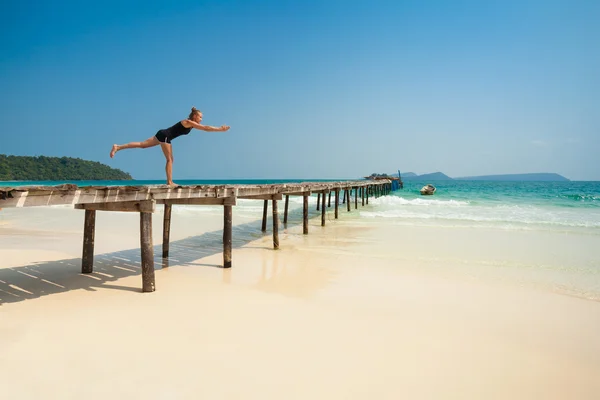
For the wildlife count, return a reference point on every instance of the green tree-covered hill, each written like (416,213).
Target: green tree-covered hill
(22,168)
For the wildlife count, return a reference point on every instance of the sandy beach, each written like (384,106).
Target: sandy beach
(351,311)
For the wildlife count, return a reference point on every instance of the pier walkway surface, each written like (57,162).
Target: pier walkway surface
(143,200)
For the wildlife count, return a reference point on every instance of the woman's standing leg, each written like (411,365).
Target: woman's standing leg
(153,141)
(168,152)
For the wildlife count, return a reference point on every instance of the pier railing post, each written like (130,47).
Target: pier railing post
(166,230)
(264,220)
(227,229)
(305,214)
(337,200)
(285,211)
(323,210)
(89,229)
(348,201)
(148,281)
(275,225)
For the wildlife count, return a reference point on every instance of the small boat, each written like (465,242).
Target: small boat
(428,190)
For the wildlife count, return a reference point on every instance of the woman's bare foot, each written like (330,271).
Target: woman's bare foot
(172,184)
(115,148)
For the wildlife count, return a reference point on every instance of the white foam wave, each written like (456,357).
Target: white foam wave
(401,201)
(502,214)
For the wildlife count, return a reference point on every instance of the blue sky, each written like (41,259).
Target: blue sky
(311,89)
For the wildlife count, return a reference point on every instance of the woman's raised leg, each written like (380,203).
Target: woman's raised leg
(151,142)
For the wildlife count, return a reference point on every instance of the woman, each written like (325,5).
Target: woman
(165,136)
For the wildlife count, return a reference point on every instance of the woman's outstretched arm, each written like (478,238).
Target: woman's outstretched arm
(193,124)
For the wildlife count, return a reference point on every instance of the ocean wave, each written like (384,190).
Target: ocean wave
(397,200)
(581,197)
(522,216)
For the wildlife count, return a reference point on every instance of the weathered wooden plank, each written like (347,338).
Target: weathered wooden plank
(229,201)
(109,195)
(148,281)
(89,232)
(126,206)
(302,193)
(227,234)
(276,196)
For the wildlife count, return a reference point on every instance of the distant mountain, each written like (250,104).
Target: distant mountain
(517,177)
(439,176)
(408,174)
(436,176)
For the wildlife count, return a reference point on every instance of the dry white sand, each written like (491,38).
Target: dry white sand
(332,315)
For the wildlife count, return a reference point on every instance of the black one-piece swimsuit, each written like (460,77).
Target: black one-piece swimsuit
(166,135)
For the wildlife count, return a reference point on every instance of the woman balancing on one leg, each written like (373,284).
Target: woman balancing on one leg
(165,136)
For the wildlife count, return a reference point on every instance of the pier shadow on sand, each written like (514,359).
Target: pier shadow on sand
(52,277)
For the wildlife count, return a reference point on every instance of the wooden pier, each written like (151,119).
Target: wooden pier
(143,200)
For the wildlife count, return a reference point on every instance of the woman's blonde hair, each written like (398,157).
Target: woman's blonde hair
(194,111)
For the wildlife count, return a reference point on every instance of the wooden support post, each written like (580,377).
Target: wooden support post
(285,211)
(368,188)
(337,200)
(89,231)
(329,200)
(275,225)
(362,194)
(227,228)
(148,282)
(166,230)
(264,221)
(323,210)
(356,198)
(305,214)
(318,200)
(344,199)
(348,195)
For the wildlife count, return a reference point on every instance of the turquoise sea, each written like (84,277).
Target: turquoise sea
(522,205)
